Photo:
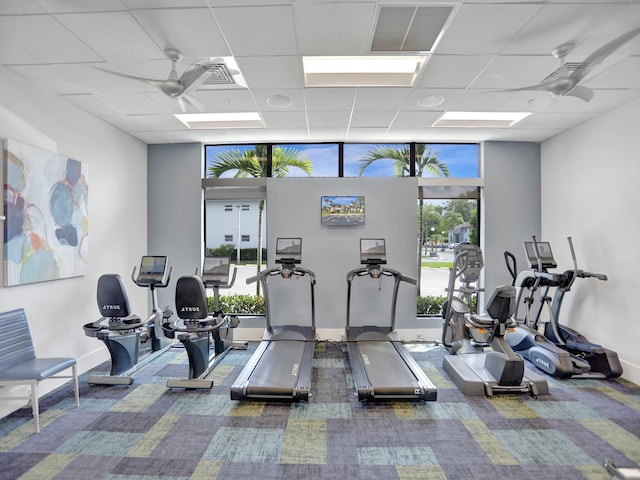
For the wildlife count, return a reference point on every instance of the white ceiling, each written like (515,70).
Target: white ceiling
(487,45)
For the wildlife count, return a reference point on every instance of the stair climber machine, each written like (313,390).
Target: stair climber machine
(196,328)
(559,351)
(482,362)
(382,368)
(131,340)
(280,368)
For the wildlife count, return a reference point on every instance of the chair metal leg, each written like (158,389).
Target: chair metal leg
(35,407)
(75,384)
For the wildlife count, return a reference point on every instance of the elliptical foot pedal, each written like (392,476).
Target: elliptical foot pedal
(193,383)
(533,389)
(109,380)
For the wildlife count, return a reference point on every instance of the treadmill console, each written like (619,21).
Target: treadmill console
(152,270)
(289,251)
(372,251)
(215,271)
(544,252)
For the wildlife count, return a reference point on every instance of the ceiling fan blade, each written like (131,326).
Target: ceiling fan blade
(149,81)
(539,88)
(603,52)
(197,70)
(581,92)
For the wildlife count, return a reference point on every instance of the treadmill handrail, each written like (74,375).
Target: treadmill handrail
(398,277)
(295,270)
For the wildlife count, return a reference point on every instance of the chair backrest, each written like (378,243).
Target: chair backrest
(113,301)
(502,304)
(191,298)
(16,345)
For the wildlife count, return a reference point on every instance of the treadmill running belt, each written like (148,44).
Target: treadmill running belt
(386,369)
(278,370)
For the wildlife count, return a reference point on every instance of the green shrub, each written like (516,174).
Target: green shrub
(430,305)
(243,304)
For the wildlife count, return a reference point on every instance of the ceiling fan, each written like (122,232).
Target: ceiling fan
(178,87)
(564,82)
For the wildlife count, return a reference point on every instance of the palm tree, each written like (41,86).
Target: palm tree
(426,162)
(253,163)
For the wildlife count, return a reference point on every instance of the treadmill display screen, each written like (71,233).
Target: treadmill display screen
(372,251)
(289,250)
(152,269)
(546,256)
(216,270)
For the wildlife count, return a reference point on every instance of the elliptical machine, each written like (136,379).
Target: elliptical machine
(132,341)
(482,362)
(574,355)
(196,328)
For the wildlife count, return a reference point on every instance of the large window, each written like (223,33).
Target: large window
(447,198)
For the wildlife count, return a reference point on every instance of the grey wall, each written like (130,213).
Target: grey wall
(510,205)
(293,207)
(174,198)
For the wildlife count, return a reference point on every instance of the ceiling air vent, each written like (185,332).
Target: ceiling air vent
(218,74)
(568,67)
(408,28)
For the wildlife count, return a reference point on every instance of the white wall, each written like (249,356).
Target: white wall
(590,192)
(117,181)
(293,210)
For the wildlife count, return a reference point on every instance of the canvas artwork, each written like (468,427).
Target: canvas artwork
(46,234)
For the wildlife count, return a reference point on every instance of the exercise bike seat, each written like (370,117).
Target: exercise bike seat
(113,304)
(192,308)
(500,307)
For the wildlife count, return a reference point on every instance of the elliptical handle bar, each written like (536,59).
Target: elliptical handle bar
(512,265)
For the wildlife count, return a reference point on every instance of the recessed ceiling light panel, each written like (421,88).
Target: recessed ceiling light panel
(207,121)
(480,119)
(368,71)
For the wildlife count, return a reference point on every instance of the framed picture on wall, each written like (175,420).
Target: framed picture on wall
(342,210)
(46,208)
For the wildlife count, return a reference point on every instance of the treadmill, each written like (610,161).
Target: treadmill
(382,368)
(280,368)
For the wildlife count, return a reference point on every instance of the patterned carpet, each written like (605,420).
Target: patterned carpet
(148,432)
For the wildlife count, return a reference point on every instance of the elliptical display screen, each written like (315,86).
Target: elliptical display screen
(216,270)
(373,251)
(152,269)
(289,251)
(546,256)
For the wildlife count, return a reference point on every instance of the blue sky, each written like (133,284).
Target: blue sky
(461,159)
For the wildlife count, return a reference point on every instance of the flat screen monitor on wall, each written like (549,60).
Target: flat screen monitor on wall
(342,210)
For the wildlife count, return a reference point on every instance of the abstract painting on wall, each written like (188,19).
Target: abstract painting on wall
(46,235)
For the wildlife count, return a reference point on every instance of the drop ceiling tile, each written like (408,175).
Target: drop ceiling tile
(60,6)
(511,71)
(410,120)
(20,7)
(281,120)
(193,31)
(227,100)
(452,71)
(295,95)
(328,98)
(265,30)
(271,71)
(380,98)
(348,34)
(113,35)
(423,94)
(328,118)
(92,104)
(143,123)
(44,38)
(372,118)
